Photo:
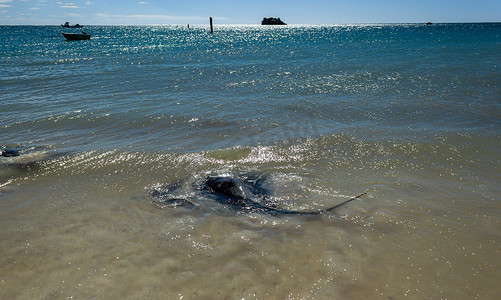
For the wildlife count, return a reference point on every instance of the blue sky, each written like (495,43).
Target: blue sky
(111,12)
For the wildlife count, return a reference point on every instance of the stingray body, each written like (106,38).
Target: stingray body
(242,196)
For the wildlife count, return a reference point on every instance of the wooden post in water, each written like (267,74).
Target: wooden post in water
(211,28)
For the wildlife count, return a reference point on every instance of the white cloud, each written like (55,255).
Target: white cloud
(142,2)
(102,15)
(147,19)
(34,8)
(5,1)
(68,5)
(73,15)
(158,17)
(89,3)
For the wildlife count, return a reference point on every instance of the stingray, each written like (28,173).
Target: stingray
(241,194)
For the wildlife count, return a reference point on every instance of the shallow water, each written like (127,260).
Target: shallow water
(407,113)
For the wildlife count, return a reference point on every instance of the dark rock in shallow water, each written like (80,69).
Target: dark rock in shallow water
(272,21)
(15,156)
(11,152)
(19,150)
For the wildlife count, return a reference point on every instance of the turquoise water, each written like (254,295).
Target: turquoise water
(137,84)
(409,113)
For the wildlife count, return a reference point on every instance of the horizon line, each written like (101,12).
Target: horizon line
(258,24)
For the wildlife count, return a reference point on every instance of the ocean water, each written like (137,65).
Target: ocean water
(408,113)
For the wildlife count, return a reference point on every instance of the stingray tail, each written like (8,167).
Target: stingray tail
(343,203)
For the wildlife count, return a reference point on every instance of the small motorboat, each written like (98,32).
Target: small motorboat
(67,25)
(76,36)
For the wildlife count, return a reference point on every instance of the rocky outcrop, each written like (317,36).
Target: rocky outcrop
(272,21)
